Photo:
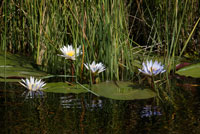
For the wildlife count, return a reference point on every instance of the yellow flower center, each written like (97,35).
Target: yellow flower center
(30,86)
(70,53)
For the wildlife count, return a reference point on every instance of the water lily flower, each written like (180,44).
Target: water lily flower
(95,68)
(34,86)
(151,68)
(69,52)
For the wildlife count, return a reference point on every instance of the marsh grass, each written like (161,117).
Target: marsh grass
(107,31)
(172,24)
(39,28)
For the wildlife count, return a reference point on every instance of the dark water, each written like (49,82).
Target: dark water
(88,114)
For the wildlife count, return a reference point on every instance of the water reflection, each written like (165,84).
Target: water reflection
(33,94)
(86,113)
(71,101)
(149,111)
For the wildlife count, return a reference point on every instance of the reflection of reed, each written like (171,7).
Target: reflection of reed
(82,115)
(71,102)
(42,114)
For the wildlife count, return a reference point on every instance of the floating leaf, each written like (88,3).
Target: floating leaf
(122,91)
(61,87)
(9,80)
(17,67)
(181,65)
(190,70)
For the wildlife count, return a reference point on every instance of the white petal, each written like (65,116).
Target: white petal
(145,69)
(86,65)
(23,85)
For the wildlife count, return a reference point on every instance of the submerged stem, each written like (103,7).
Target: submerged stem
(155,88)
(72,70)
(93,78)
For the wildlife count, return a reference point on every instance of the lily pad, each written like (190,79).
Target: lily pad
(190,70)
(16,67)
(122,91)
(61,87)
(9,80)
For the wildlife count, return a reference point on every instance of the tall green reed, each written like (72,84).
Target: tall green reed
(106,31)
(170,26)
(171,23)
(102,31)
(40,28)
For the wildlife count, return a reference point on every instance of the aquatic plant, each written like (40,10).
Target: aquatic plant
(95,68)
(151,68)
(109,31)
(43,28)
(33,84)
(34,87)
(191,70)
(172,26)
(69,52)
(17,67)
(120,90)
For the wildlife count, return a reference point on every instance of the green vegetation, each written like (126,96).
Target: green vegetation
(60,87)
(17,67)
(120,34)
(191,70)
(122,91)
(39,29)
(116,33)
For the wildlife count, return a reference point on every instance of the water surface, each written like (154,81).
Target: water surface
(89,114)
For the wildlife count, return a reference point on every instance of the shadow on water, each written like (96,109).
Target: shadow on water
(88,114)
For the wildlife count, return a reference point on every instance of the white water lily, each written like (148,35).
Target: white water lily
(34,86)
(69,52)
(95,68)
(151,68)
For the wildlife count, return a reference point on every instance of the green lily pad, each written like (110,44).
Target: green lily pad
(9,80)
(17,67)
(122,91)
(61,87)
(190,70)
